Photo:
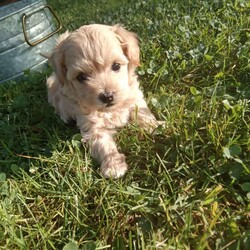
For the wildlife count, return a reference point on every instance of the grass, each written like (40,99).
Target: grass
(188,186)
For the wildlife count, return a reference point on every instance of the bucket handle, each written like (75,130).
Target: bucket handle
(47,36)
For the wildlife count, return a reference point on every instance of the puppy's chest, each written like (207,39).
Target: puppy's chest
(111,120)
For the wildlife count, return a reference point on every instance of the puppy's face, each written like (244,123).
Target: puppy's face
(95,65)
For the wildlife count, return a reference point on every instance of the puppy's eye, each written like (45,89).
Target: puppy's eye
(81,78)
(116,66)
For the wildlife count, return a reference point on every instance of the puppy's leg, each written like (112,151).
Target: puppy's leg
(142,116)
(103,148)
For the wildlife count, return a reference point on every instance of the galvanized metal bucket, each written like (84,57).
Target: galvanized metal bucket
(27,30)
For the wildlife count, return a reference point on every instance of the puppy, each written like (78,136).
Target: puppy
(94,83)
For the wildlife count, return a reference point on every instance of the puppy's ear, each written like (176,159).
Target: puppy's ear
(57,58)
(129,43)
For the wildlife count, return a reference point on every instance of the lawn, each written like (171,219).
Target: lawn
(188,185)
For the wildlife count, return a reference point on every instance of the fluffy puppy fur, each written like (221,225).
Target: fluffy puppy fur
(94,83)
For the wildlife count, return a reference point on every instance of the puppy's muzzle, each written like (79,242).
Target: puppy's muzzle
(107,98)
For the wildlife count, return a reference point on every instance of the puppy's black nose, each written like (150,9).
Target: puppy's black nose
(106,97)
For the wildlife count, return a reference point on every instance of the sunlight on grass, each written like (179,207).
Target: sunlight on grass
(188,186)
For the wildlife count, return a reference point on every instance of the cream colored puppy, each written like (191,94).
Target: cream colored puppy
(95,84)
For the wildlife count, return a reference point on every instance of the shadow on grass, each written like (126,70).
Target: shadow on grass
(28,126)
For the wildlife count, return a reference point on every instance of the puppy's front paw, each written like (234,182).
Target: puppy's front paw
(152,126)
(114,166)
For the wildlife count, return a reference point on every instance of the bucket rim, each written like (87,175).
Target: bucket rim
(6,10)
